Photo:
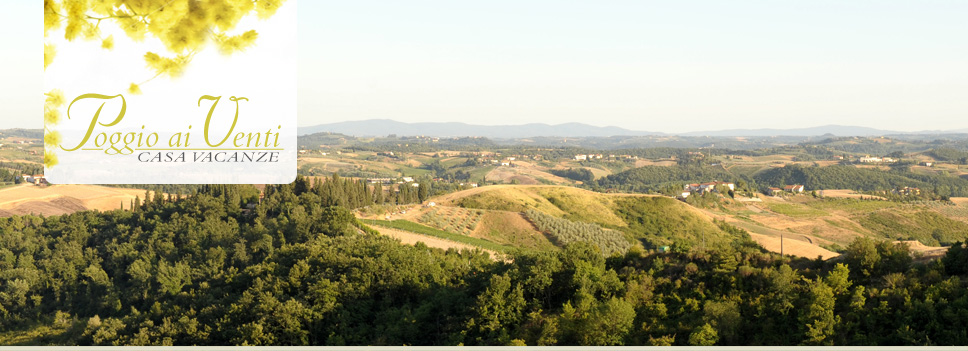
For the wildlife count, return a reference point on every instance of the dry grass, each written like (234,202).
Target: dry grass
(511,228)
(845,193)
(411,238)
(559,201)
(64,199)
(525,173)
(792,247)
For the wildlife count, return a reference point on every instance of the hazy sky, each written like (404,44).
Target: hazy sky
(669,66)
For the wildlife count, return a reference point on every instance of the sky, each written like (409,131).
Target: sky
(670,66)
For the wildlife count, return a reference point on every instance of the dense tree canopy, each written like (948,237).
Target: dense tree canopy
(866,179)
(294,269)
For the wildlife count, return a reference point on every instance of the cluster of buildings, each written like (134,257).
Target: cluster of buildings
(701,188)
(875,159)
(589,157)
(36,179)
(907,191)
(408,180)
(496,159)
(391,180)
(788,189)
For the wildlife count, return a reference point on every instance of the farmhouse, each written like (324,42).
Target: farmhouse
(36,179)
(774,191)
(796,188)
(907,191)
(869,159)
(588,157)
(379,180)
(710,186)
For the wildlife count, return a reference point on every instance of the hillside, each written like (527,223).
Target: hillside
(650,220)
(809,227)
(867,179)
(497,215)
(208,270)
(832,222)
(64,199)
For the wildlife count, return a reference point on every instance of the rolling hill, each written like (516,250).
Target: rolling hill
(383,127)
(64,199)
(650,220)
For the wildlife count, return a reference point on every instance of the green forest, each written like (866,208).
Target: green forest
(296,268)
(654,178)
(864,179)
(649,179)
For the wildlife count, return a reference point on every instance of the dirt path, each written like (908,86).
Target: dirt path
(924,250)
(793,247)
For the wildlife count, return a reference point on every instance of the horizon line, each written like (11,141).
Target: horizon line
(954,130)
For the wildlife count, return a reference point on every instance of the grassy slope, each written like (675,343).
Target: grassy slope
(510,228)
(838,220)
(656,220)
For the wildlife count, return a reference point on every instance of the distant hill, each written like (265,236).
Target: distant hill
(22,133)
(383,127)
(811,131)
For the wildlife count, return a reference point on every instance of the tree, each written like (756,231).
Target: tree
(956,260)
(378,193)
(499,309)
(423,190)
(839,279)
(725,317)
(703,335)
(818,318)
(862,254)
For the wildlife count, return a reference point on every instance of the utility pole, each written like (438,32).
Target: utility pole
(781,244)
